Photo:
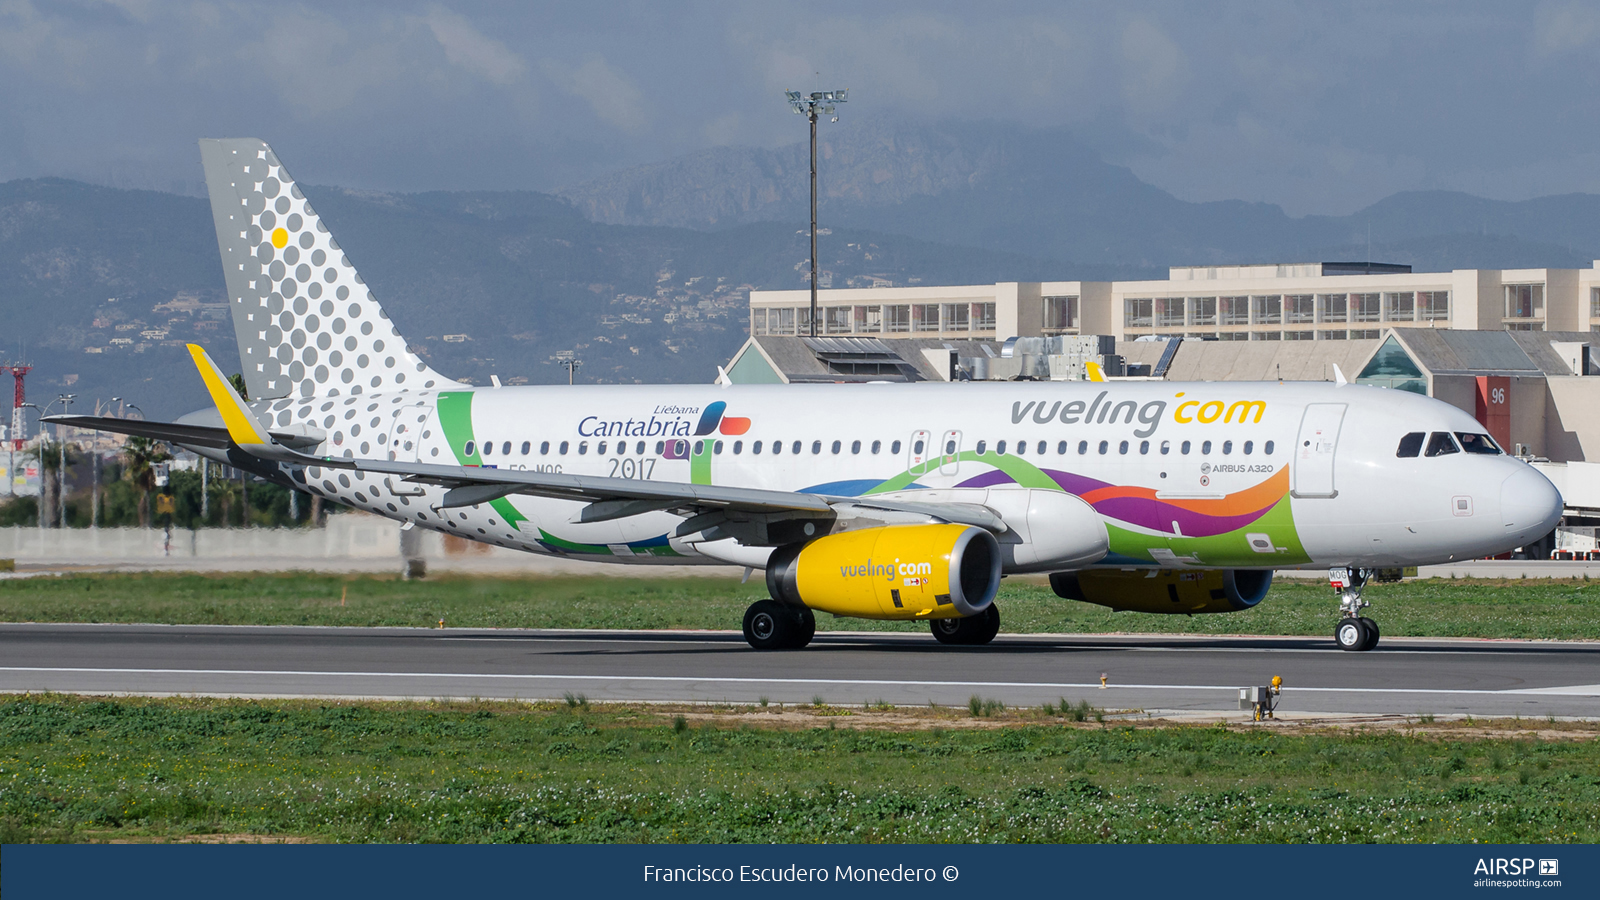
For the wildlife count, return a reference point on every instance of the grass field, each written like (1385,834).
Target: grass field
(83,769)
(1535,608)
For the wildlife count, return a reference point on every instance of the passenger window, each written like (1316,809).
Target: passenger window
(1104,446)
(1184,448)
(467,450)
(583,447)
(795,447)
(1267,448)
(563,449)
(895,448)
(855,446)
(661,447)
(983,446)
(1083,447)
(717,448)
(1041,448)
(544,448)
(916,448)
(949,448)
(528,446)
(1144,448)
(1411,445)
(876,446)
(639,449)
(1166,447)
(1227,447)
(1478,443)
(816,447)
(756,447)
(1441,444)
(777,447)
(699,447)
(1000,448)
(488,448)
(505,449)
(1022,448)
(601,449)
(1061,449)
(1205,448)
(738,447)
(836,448)
(1123,448)
(1248,447)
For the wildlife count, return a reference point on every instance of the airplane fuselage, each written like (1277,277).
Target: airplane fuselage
(1211,475)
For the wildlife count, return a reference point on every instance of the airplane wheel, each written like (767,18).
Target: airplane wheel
(805,627)
(988,625)
(971,631)
(1351,634)
(947,631)
(768,625)
(1372,634)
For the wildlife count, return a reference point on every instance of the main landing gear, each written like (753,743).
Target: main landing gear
(971,631)
(770,625)
(1354,631)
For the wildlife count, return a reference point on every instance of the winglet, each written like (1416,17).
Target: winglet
(244,428)
(1095,372)
(1338,375)
(722,377)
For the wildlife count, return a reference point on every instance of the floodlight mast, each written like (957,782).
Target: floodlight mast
(809,106)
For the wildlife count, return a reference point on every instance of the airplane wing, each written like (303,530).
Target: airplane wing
(213,436)
(705,507)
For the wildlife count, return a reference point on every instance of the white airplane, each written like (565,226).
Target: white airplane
(885,501)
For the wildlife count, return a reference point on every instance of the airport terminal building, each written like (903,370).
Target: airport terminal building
(1328,301)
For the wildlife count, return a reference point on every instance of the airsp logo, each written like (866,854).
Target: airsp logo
(1549,867)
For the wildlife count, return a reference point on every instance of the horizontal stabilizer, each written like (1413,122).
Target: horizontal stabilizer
(213,436)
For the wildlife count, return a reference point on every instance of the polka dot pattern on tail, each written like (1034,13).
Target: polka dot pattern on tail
(280,262)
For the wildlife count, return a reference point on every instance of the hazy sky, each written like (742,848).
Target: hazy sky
(1318,106)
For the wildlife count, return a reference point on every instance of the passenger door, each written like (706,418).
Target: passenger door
(1314,451)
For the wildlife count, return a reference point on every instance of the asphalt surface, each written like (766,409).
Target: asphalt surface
(1161,674)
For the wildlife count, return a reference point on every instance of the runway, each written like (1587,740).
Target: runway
(1155,673)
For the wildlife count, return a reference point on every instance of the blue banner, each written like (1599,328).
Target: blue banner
(394,872)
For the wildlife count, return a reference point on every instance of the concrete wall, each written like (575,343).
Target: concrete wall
(347,536)
(1572,429)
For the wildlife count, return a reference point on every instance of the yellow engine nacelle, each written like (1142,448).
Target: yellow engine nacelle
(1166,590)
(893,572)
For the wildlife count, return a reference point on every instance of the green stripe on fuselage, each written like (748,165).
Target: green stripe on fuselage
(455,420)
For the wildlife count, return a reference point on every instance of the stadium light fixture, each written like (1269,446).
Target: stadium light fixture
(810,105)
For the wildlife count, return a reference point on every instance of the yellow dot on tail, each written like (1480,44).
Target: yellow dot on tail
(279,238)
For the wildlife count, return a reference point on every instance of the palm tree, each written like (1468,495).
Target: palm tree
(47,454)
(139,456)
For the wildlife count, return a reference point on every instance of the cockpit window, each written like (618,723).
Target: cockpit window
(1411,444)
(1478,443)
(1441,443)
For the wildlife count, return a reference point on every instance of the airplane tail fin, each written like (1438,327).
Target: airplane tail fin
(306,323)
(1094,371)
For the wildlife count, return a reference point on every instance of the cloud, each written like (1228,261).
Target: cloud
(610,93)
(470,49)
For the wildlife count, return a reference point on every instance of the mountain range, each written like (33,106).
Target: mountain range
(645,274)
(1042,193)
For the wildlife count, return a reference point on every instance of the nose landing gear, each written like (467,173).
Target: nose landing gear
(1354,631)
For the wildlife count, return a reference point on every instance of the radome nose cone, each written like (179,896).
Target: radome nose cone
(1529,503)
